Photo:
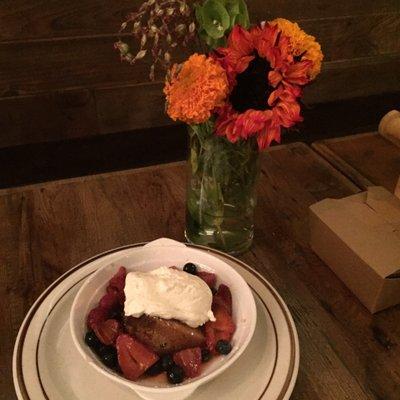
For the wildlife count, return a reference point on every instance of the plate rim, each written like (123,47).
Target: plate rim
(287,387)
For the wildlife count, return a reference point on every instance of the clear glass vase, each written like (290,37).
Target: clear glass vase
(221,195)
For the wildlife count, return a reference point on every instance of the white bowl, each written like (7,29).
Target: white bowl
(167,252)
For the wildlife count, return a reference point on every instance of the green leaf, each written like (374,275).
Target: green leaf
(212,202)
(193,160)
(233,7)
(212,43)
(215,18)
(199,14)
(243,17)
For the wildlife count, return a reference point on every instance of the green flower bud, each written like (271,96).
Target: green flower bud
(213,18)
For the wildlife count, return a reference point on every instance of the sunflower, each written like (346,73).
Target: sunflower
(265,82)
(194,89)
(303,45)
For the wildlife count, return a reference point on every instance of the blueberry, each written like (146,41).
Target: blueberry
(175,374)
(155,369)
(108,356)
(167,362)
(205,355)
(223,347)
(92,341)
(190,268)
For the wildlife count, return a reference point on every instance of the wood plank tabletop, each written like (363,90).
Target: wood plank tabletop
(346,353)
(367,159)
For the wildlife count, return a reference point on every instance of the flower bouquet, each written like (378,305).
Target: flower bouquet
(237,94)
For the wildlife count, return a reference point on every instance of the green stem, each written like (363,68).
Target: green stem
(221,236)
(220,217)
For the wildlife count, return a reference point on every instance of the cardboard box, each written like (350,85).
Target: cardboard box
(358,237)
(389,127)
(397,189)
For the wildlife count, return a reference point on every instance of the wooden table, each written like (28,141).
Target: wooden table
(346,353)
(367,159)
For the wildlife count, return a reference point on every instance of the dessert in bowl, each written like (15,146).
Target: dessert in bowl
(163,331)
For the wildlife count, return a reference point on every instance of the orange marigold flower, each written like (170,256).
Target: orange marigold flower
(302,44)
(195,89)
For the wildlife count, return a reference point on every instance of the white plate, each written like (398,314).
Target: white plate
(46,364)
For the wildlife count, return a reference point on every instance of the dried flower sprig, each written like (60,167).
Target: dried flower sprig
(159,26)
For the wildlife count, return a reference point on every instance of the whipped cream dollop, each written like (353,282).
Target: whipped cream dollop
(170,294)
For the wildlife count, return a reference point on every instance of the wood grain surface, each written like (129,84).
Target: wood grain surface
(367,159)
(346,353)
(81,112)
(57,63)
(23,20)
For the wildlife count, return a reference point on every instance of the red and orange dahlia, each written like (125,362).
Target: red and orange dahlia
(265,80)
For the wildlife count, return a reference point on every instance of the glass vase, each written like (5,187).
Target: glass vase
(221,195)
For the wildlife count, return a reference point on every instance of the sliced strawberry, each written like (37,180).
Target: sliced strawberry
(96,316)
(209,332)
(189,360)
(115,292)
(107,331)
(223,298)
(133,357)
(221,329)
(208,277)
(224,321)
(109,300)
(222,335)
(118,282)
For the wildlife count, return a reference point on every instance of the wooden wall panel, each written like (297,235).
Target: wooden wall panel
(318,9)
(339,80)
(355,78)
(102,110)
(356,36)
(61,78)
(121,108)
(23,19)
(47,117)
(28,67)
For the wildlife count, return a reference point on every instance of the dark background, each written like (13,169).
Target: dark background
(68,107)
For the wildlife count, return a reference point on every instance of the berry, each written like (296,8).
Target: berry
(117,314)
(109,300)
(108,356)
(224,321)
(189,360)
(96,316)
(107,331)
(205,355)
(92,341)
(134,358)
(221,329)
(208,277)
(223,347)
(175,375)
(116,285)
(190,268)
(155,369)
(167,362)
(118,280)
(223,298)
